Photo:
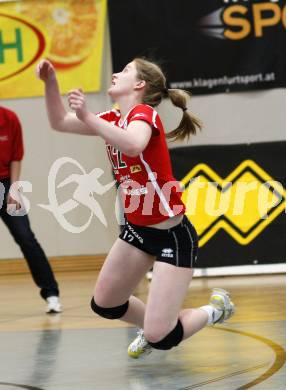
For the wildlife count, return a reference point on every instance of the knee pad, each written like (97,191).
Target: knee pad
(112,313)
(172,339)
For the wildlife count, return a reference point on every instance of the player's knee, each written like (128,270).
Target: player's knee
(171,340)
(156,329)
(103,289)
(112,313)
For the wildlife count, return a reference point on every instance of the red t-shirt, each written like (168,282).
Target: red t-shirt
(149,191)
(11,141)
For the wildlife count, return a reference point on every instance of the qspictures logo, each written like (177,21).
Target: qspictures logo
(243,204)
(239,19)
(87,186)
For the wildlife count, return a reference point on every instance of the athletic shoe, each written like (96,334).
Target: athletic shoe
(220,300)
(54,305)
(149,275)
(139,347)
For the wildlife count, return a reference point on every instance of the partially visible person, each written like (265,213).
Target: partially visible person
(11,154)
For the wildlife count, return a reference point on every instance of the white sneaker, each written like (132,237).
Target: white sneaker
(149,275)
(54,305)
(139,347)
(220,299)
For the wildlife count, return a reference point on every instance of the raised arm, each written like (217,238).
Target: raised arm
(131,141)
(60,119)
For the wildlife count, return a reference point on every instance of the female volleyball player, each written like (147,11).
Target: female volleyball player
(156,232)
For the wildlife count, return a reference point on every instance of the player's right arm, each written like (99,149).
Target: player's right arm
(60,119)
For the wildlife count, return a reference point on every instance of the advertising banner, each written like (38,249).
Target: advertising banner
(67,32)
(204,46)
(236,198)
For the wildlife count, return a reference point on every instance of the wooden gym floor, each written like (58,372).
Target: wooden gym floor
(78,350)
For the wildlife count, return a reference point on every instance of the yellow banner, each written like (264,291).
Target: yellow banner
(67,32)
(243,204)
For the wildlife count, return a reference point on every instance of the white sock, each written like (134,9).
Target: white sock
(213,313)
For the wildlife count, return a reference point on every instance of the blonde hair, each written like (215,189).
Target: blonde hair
(156,90)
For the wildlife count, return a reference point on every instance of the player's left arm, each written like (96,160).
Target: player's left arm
(131,141)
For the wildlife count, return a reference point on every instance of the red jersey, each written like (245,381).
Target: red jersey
(149,191)
(11,142)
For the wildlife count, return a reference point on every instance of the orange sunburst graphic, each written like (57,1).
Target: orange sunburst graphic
(70,24)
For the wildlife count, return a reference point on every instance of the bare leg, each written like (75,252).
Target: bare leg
(193,320)
(167,291)
(122,271)
(135,313)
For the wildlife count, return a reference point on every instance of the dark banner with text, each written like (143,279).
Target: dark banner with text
(235,196)
(204,46)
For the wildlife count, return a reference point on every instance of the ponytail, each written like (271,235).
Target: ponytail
(189,124)
(156,91)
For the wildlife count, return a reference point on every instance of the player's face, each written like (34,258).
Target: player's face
(124,82)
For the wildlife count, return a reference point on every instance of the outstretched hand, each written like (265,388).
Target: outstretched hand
(77,103)
(45,70)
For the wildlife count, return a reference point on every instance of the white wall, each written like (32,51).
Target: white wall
(232,118)
(228,118)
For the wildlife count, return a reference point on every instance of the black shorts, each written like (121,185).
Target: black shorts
(177,246)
